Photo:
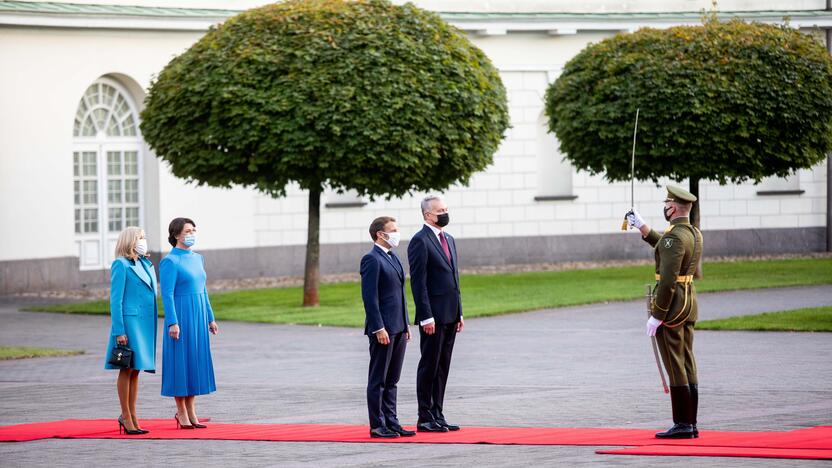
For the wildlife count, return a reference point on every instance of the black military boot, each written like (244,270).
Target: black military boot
(680,401)
(694,407)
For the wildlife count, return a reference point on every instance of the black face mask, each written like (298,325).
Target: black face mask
(443,219)
(666,215)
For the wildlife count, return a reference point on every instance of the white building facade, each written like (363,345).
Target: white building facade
(74,169)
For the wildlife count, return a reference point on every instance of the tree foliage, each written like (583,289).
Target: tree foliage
(359,95)
(725,101)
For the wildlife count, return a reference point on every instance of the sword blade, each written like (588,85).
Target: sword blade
(654,342)
(659,363)
(624,224)
(633,163)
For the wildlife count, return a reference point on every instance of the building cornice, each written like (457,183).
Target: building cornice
(123,17)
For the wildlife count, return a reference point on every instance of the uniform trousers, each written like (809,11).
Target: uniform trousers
(676,348)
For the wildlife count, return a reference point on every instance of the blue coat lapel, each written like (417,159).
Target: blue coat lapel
(151,272)
(399,271)
(141,271)
(397,264)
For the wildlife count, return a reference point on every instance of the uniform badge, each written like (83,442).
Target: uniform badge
(668,243)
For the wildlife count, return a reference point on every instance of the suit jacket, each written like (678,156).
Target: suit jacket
(133,309)
(433,279)
(382,289)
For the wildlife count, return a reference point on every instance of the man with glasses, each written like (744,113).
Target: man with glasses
(434,280)
(674,309)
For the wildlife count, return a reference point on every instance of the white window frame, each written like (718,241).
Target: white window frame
(101,144)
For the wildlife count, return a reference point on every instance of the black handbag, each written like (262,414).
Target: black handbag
(121,356)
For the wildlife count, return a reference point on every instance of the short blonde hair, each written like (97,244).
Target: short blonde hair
(126,244)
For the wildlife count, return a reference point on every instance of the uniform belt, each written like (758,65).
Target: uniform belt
(687,279)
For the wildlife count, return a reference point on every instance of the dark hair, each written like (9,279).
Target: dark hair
(175,228)
(378,225)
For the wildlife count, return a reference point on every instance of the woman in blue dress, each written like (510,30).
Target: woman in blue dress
(133,314)
(187,369)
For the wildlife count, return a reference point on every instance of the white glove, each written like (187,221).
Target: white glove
(653,324)
(635,219)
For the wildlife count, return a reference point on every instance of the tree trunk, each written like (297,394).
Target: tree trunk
(829,158)
(694,212)
(312,273)
(694,219)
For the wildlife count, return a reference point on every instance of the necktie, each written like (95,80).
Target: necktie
(396,264)
(445,247)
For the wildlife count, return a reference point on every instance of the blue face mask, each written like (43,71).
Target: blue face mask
(189,240)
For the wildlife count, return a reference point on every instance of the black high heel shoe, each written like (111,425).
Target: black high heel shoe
(122,427)
(143,431)
(198,425)
(179,425)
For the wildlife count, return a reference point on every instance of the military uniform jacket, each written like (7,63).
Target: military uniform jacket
(677,253)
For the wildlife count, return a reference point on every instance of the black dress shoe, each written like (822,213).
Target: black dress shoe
(450,427)
(383,433)
(678,431)
(431,427)
(402,431)
(695,432)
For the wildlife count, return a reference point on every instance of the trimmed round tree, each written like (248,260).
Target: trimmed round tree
(346,95)
(724,101)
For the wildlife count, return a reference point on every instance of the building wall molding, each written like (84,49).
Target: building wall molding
(63,273)
(94,16)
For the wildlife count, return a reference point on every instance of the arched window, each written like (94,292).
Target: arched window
(107,171)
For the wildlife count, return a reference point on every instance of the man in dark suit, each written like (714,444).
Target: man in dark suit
(386,326)
(434,279)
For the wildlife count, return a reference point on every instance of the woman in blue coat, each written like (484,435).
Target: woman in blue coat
(187,368)
(133,314)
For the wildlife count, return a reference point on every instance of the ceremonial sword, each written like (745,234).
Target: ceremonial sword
(632,173)
(653,339)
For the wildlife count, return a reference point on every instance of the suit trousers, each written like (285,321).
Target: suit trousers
(432,373)
(385,370)
(676,348)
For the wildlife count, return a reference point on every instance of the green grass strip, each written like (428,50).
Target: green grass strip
(487,295)
(18,352)
(817,319)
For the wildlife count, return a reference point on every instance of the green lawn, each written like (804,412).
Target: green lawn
(484,295)
(817,319)
(15,352)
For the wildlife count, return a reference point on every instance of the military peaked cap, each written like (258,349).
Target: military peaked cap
(679,194)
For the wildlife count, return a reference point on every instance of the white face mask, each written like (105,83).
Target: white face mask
(141,247)
(393,238)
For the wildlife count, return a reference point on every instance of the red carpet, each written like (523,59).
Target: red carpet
(813,443)
(699,451)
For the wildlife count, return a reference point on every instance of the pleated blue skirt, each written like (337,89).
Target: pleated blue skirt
(187,368)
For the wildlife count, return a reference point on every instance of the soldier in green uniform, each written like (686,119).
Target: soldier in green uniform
(674,309)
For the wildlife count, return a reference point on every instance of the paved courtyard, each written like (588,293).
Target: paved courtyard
(587,366)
